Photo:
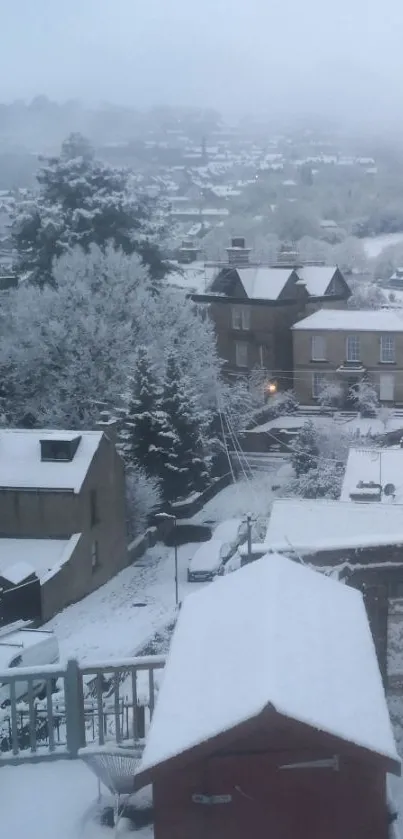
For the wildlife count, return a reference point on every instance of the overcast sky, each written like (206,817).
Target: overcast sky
(230,54)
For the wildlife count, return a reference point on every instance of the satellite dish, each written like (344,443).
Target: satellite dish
(389,489)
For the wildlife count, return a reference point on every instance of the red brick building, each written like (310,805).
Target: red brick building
(271,719)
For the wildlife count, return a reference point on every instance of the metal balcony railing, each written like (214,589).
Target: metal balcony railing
(51,712)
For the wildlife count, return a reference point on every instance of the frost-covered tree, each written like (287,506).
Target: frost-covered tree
(330,394)
(66,349)
(81,201)
(145,419)
(143,496)
(321,481)
(365,397)
(184,466)
(366,295)
(305,450)
(350,255)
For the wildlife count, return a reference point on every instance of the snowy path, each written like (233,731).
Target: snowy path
(108,623)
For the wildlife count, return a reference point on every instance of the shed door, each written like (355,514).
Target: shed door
(268,803)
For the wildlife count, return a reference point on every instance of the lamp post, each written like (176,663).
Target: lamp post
(171,517)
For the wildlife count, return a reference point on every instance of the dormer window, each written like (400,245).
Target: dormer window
(58,450)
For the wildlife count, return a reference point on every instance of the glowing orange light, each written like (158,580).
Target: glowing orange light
(271,387)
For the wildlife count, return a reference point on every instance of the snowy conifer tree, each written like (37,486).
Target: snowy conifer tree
(145,420)
(305,449)
(82,201)
(184,465)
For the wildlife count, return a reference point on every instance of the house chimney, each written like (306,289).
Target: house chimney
(187,252)
(288,255)
(238,254)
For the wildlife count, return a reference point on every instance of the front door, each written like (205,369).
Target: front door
(387,387)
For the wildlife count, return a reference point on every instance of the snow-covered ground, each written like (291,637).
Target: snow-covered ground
(54,801)
(374,245)
(118,618)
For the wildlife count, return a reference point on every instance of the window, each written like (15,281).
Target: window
(318,380)
(240,317)
(94,555)
(94,507)
(16,662)
(241,354)
(387,355)
(318,348)
(353,348)
(386,387)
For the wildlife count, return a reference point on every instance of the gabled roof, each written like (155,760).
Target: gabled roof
(317,278)
(264,283)
(381,466)
(273,633)
(320,524)
(353,320)
(21,466)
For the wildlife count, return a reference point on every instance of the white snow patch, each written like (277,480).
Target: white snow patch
(49,800)
(319,524)
(108,623)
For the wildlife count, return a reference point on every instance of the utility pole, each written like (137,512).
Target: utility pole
(249,536)
(171,517)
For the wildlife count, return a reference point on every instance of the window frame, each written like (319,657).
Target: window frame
(94,515)
(391,349)
(321,356)
(357,355)
(244,345)
(240,318)
(95,555)
(317,375)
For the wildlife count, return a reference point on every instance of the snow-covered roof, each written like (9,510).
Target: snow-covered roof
(21,466)
(381,466)
(262,283)
(317,278)
(19,558)
(273,633)
(384,320)
(325,525)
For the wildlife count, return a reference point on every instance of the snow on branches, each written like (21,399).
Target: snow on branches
(81,201)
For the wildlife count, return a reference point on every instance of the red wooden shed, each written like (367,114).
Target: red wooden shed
(271,719)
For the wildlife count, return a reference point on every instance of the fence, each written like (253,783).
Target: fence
(77,706)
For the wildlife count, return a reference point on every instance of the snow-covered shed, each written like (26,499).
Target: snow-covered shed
(271,718)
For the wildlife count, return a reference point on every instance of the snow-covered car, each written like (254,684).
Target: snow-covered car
(22,646)
(207,561)
(231,533)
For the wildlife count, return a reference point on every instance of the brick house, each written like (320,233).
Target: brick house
(266,731)
(254,306)
(62,512)
(344,347)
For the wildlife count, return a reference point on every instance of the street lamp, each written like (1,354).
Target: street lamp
(171,517)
